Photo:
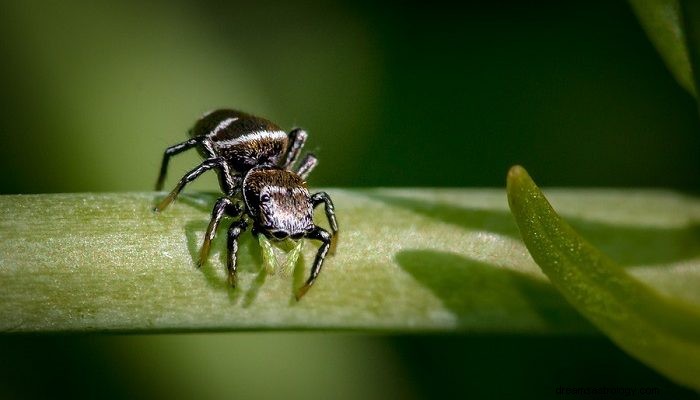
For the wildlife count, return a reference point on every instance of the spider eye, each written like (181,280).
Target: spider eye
(265,198)
(279,234)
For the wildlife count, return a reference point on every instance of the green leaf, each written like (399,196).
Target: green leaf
(663,22)
(662,331)
(691,25)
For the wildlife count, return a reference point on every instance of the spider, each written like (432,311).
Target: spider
(255,160)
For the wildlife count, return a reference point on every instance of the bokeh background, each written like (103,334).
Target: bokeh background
(393,94)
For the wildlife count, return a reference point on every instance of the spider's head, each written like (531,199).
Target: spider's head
(279,203)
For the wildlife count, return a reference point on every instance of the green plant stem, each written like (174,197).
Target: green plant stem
(408,260)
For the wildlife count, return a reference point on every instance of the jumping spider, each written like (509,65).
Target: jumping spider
(254,160)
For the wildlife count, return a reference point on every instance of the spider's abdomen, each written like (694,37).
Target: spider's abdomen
(245,141)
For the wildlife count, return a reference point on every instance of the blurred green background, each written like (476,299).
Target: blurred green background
(393,94)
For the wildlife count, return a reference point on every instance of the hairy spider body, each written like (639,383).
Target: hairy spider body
(245,141)
(279,203)
(255,160)
(232,142)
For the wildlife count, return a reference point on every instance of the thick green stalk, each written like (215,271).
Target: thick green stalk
(408,260)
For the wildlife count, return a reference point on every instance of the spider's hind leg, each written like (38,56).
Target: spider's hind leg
(171,151)
(189,177)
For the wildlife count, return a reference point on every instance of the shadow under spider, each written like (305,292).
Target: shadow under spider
(249,261)
(203,201)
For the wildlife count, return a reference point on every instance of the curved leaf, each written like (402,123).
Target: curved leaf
(663,22)
(662,332)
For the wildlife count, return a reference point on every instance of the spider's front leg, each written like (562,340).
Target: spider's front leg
(205,166)
(223,206)
(297,138)
(317,234)
(323,197)
(234,231)
(307,165)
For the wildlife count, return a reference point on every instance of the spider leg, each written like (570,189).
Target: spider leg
(189,177)
(229,180)
(223,206)
(171,151)
(322,197)
(307,165)
(297,138)
(317,234)
(234,231)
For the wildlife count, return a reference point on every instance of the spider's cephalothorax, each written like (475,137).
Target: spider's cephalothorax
(279,203)
(255,162)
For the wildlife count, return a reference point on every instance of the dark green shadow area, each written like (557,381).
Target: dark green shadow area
(249,256)
(249,259)
(483,294)
(624,244)
(202,201)
(497,366)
